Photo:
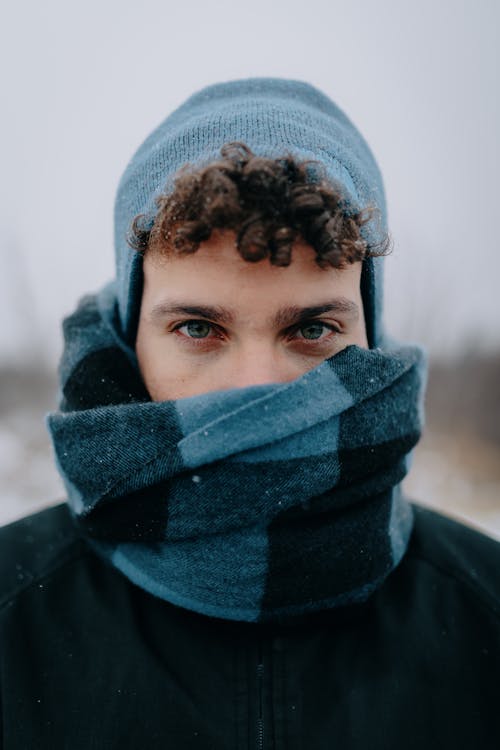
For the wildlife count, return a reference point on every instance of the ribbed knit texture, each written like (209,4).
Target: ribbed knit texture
(273,117)
(263,503)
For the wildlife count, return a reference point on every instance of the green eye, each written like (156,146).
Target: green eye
(198,329)
(312,331)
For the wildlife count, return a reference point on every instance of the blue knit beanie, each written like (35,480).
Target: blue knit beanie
(272,116)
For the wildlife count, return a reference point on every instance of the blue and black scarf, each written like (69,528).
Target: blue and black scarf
(256,504)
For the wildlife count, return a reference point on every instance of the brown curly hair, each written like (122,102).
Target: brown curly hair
(268,203)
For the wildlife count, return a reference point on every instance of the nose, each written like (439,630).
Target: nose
(260,365)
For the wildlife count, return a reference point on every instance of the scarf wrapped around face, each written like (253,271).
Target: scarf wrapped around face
(260,503)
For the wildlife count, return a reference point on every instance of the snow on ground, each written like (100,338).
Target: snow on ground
(459,474)
(28,478)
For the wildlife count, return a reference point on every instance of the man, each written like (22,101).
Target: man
(236,566)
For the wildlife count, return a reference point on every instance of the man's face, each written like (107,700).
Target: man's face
(213,321)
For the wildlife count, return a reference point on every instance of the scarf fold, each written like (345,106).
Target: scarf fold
(259,504)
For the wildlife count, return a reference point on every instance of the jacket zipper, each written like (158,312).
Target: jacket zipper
(260,714)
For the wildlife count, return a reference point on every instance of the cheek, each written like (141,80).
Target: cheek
(144,353)
(167,374)
(360,337)
(153,364)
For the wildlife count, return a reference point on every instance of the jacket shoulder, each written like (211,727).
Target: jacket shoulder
(33,547)
(459,552)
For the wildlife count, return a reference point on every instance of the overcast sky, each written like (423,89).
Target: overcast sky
(83,84)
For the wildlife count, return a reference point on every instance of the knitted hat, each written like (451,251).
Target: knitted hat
(272,116)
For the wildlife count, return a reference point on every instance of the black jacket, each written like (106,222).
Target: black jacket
(88,660)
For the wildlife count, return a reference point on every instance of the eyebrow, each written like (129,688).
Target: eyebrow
(294,314)
(168,309)
(287,316)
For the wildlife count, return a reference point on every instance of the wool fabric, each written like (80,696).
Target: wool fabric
(262,503)
(273,116)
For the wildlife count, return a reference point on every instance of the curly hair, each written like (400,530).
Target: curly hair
(268,203)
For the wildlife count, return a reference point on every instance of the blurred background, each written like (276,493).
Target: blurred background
(84,83)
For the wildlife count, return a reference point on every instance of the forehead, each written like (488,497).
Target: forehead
(217,271)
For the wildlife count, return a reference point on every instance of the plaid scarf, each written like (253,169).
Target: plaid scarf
(258,504)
